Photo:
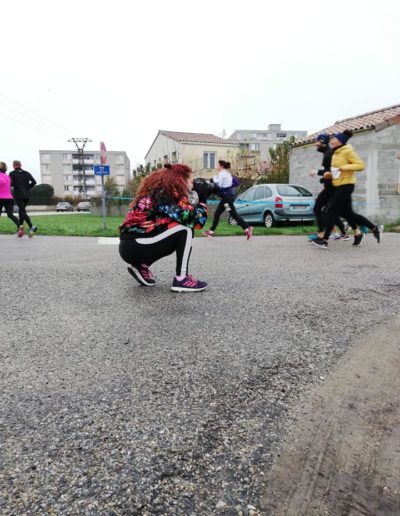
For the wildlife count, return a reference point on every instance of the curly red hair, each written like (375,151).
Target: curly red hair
(169,183)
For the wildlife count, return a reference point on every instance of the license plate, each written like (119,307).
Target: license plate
(300,207)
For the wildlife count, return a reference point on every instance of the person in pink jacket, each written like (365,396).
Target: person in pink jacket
(6,198)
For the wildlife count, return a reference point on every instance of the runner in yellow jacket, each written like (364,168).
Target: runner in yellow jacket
(345,163)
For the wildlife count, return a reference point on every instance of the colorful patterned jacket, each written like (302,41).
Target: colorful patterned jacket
(150,216)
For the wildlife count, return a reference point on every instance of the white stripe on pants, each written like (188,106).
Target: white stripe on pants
(168,233)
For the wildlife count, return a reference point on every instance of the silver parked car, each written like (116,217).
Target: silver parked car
(269,204)
(83,206)
(64,206)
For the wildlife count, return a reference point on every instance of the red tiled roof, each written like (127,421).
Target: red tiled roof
(367,121)
(197,138)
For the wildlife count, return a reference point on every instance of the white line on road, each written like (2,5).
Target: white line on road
(107,241)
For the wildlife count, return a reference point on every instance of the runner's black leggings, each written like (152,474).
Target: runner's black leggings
(9,207)
(227,199)
(320,208)
(138,251)
(341,206)
(23,216)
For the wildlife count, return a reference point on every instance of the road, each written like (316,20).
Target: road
(118,399)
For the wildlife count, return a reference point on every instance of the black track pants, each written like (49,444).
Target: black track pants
(9,207)
(23,216)
(140,251)
(320,208)
(227,199)
(341,206)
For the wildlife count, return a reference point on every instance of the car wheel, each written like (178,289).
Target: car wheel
(232,221)
(269,221)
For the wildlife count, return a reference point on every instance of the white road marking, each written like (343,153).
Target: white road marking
(107,241)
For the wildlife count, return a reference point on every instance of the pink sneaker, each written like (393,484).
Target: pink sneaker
(208,233)
(188,284)
(248,232)
(142,275)
(21,232)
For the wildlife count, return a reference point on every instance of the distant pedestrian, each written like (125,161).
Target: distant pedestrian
(6,198)
(226,192)
(160,222)
(345,163)
(22,182)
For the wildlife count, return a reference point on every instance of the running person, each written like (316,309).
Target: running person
(6,198)
(22,182)
(321,202)
(160,222)
(345,162)
(226,191)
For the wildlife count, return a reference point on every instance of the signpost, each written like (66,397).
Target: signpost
(102,170)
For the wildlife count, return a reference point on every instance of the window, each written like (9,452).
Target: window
(120,159)
(209,159)
(248,195)
(268,192)
(66,157)
(45,158)
(45,167)
(303,191)
(288,191)
(254,146)
(260,193)
(281,135)
(174,157)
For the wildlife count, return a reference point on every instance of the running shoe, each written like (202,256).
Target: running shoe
(321,243)
(248,232)
(21,232)
(142,275)
(188,284)
(208,233)
(377,233)
(342,236)
(32,231)
(313,237)
(364,229)
(335,236)
(358,239)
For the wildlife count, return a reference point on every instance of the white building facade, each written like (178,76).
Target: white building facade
(62,169)
(261,140)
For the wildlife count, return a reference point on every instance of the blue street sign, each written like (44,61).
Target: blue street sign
(101,170)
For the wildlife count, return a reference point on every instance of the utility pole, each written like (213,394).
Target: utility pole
(80,145)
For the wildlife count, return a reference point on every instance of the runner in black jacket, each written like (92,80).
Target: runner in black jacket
(22,182)
(321,202)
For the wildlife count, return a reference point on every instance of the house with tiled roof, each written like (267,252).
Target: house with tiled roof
(201,151)
(377,140)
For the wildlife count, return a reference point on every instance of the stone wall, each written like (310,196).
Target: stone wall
(377,190)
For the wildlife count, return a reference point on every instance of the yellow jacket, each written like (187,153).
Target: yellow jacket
(349,162)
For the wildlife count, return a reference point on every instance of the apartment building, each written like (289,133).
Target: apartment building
(260,141)
(62,169)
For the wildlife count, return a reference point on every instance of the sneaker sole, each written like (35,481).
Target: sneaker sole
(183,289)
(319,246)
(138,277)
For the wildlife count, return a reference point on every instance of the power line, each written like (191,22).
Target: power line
(35,113)
(39,122)
(33,127)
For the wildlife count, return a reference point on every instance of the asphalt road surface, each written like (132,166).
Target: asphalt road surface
(117,399)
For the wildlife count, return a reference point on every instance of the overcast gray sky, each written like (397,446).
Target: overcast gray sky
(119,71)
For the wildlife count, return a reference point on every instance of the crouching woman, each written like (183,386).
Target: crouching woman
(160,222)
